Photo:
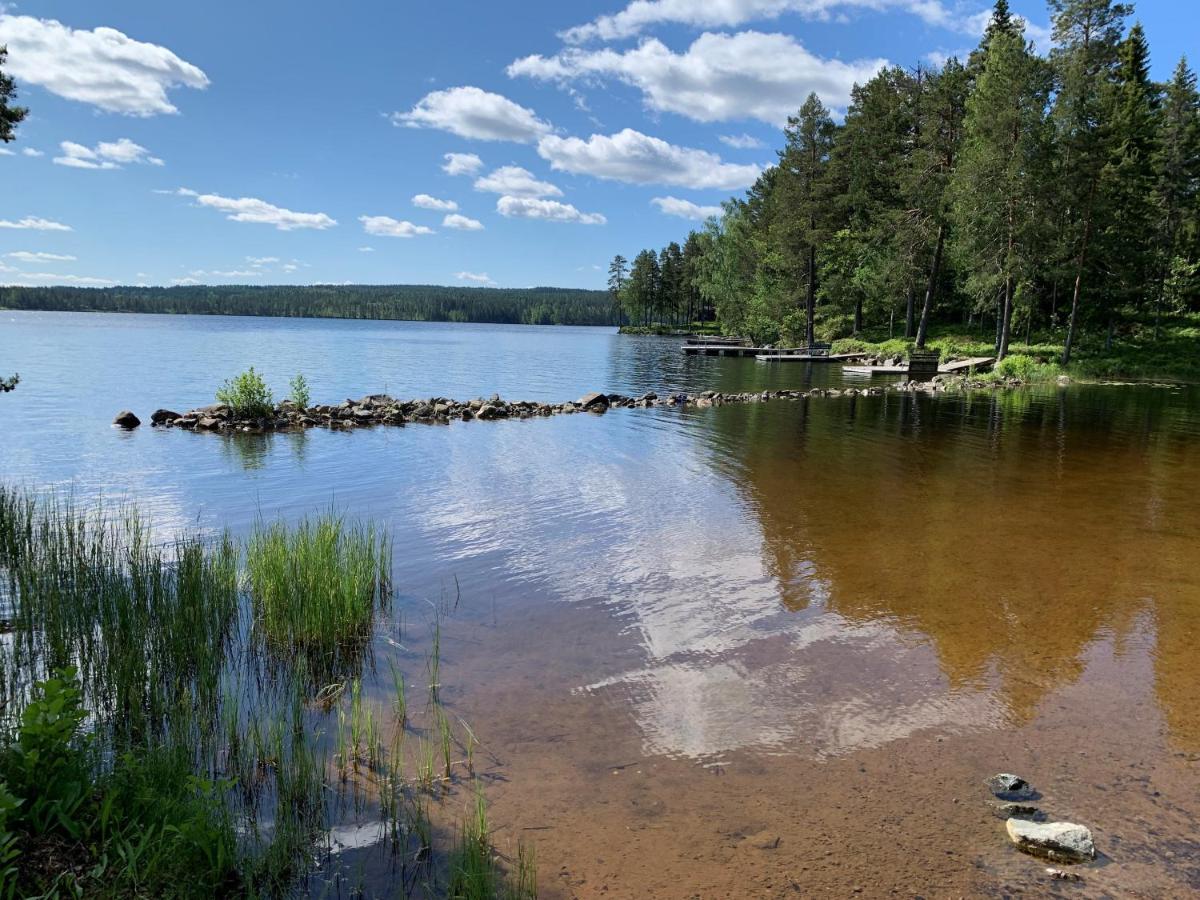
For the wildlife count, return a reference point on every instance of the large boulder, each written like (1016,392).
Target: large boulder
(159,416)
(1058,841)
(593,402)
(127,420)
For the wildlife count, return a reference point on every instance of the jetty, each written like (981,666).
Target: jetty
(802,356)
(709,349)
(957,367)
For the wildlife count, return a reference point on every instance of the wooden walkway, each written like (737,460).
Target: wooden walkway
(960,366)
(728,350)
(785,356)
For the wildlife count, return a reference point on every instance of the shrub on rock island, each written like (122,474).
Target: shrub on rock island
(247,395)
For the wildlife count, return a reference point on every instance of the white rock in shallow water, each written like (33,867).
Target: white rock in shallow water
(1060,841)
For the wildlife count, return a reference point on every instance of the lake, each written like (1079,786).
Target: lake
(753,650)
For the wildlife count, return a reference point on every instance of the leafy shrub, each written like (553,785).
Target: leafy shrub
(247,395)
(300,395)
(1027,368)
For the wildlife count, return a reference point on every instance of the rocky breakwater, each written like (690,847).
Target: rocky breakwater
(381,409)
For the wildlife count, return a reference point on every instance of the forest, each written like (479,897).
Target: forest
(1008,194)
(423,303)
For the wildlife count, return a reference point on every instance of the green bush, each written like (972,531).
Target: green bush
(1027,368)
(247,395)
(300,395)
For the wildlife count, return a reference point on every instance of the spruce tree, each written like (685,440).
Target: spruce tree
(10,116)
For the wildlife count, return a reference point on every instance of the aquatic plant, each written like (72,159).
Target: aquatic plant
(316,587)
(247,395)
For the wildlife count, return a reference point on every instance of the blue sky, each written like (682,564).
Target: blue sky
(294,142)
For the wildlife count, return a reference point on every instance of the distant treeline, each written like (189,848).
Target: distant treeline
(410,302)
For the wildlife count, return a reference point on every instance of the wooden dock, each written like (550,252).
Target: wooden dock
(728,350)
(960,366)
(785,356)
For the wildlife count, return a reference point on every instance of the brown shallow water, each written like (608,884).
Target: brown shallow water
(751,651)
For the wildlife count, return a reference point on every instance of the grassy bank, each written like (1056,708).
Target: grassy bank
(1136,355)
(191,717)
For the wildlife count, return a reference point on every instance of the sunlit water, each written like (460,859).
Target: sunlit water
(792,580)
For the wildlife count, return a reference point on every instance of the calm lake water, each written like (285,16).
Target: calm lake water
(755,650)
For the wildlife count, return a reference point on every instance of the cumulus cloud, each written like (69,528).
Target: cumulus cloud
(534,208)
(642,14)
(473,113)
(462,223)
(477,277)
(259,261)
(30,256)
(102,67)
(516,182)
(637,158)
(366,249)
(718,78)
(251,209)
(52,278)
(386,226)
(34,223)
(424,201)
(105,155)
(685,209)
(461,163)
(741,141)
(30,151)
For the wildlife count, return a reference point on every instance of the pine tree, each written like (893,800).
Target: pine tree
(1088,33)
(10,116)
(996,201)
(618,271)
(1177,177)
(804,164)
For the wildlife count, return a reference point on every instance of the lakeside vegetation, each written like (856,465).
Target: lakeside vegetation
(1052,198)
(406,302)
(172,723)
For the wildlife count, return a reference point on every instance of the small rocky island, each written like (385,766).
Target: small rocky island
(381,409)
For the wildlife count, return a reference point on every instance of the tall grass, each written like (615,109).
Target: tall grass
(197,757)
(316,588)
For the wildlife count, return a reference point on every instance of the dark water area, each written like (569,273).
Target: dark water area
(688,634)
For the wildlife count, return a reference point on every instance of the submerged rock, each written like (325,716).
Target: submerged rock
(127,420)
(1010,810)
(1007,786)
(1058,841)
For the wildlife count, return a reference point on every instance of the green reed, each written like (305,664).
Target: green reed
(210,691)
(316,588)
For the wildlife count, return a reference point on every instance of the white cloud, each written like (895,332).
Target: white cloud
(30,151)
(28,256)
(477,277)
(461,163)
(685,209)
(741,141)
(105,155)
(718,78)
(251,209)
(386,226)
(641,14)
(259,261)
(533,208)
(218,273)
(52,278)
(424,201)
(637,158)
(4,151)
(473,113)
(366,249)
(102,67)
(516,182)
(186,281)
(34,223)
(462,223)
